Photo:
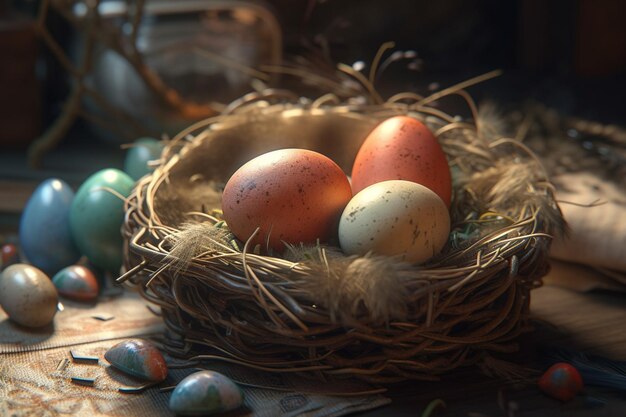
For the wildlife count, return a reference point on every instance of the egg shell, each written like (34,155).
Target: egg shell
(27,295)
(402,148)
(205,393)
(45,236)
(143,151)
(293,195)
(396,218)
(138,358)
(76,282)
(96,217)
(561,381)
(10,255)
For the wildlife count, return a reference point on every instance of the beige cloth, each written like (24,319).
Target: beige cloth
(597,235)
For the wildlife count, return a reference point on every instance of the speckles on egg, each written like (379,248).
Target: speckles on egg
(292,195)
(396,218)
(402,148)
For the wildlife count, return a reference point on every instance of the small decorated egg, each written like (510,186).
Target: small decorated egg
(27,295)
(96,217)
(138,358)
(561,381)
(396,218)
(76,282)
(45,235)
(205,393)
(138,156)
(402,148)
(292,195)
(10,255)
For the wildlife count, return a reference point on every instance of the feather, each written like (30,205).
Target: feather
(596,370)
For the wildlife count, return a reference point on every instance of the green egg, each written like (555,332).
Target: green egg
(96,217)
(137,157)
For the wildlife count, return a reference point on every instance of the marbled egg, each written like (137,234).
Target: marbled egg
(138,358)
(27,295)
(10,255)
(96,217)
(138,156)
(45,236)
(561,381)
(395,218)
(205,392)
(76,282)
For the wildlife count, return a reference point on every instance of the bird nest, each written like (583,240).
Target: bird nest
(313,309)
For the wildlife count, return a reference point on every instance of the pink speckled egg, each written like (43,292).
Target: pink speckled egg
(292,195)
(402,148)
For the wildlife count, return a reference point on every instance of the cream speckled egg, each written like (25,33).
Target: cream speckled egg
(395,218)
(27,295)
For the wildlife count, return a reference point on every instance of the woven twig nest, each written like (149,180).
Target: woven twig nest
(314,309)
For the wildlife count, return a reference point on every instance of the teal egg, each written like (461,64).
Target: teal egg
(204,393)
(45,236)
(96,217)
(137,157)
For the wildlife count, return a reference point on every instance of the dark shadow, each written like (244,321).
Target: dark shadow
(14,333)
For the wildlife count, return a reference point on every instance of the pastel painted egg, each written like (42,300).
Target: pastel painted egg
(205,393)
(143,151)
(292,195)
(402,148)
(96,217)
(138,358)
(45,236)
(395,218)
(561,381)
(27,295)
(10,255)
(76,282)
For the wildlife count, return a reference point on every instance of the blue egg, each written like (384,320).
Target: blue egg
(45,236)
(96,217)
(205,393)
(137,157)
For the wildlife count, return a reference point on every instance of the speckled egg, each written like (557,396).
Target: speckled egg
(142,151)
(205,393)
(396,218)
(292,195)
(138,358)
(76,282)
(45,235)
(27,295)
(402,148)
(96,217)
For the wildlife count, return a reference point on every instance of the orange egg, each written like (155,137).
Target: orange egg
(292,195)
(402,148)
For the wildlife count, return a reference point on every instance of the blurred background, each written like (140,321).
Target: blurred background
(78,79)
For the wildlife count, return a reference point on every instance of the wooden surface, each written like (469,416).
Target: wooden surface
(591,322)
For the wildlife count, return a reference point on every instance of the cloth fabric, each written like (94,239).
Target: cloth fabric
(597,223)
(36,371)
